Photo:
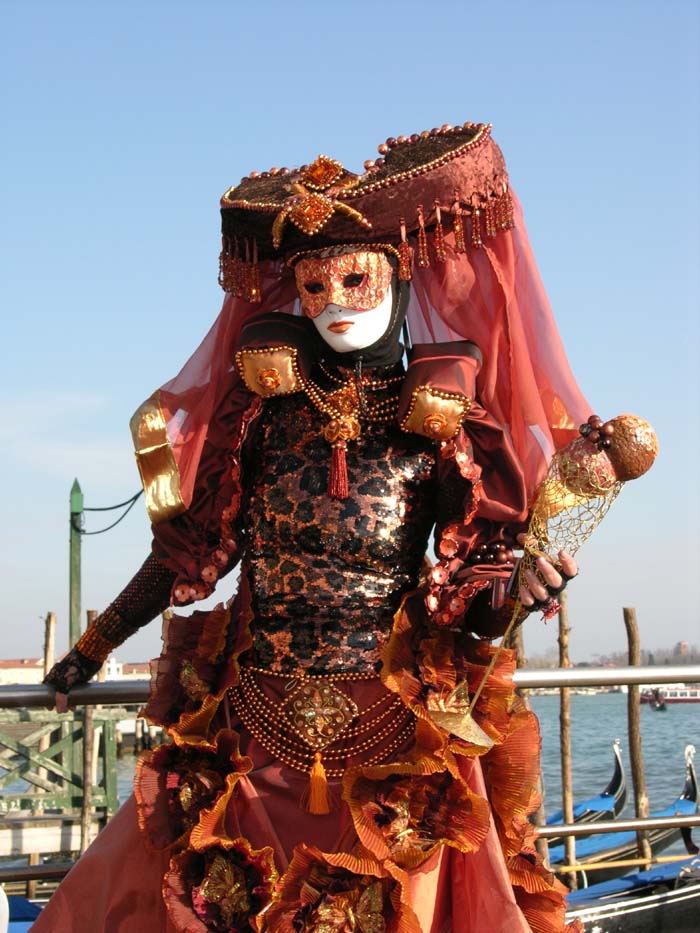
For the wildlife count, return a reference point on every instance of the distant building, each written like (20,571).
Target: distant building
(140,670)
(681,649)
(126,670)
(22,671)
(31,670)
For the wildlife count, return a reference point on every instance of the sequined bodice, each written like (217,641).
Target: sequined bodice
(327,575)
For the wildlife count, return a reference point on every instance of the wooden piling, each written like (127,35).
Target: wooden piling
(567,795)
(31,882)
(49,641)
(641,799)
(45,740)
(86,809)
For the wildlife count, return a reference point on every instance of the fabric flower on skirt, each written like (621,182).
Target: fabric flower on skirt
(337,893)
(173,785)
(221,889)
(404,815)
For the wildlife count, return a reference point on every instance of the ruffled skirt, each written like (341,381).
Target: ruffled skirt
(432,837)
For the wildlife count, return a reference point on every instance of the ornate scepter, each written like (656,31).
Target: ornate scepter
(583,480)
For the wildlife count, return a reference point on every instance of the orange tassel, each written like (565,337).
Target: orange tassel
(228,267)
(490,218)
(235,270)
(439,238)
(405,255)
(423,258)
(319,802)
(247,269)
(223,261)
(338,475)
(458,226)
(254,282)
(508,210)
(476,227)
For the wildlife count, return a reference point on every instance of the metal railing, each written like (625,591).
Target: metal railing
(618,826)
(130,692)
(137,691)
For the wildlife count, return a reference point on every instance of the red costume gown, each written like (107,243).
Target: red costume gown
(309,782)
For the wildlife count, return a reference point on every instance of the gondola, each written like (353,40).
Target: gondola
(657,702)
(663,899)
(618,846)
(605,806)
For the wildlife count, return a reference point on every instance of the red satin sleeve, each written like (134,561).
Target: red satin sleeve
(482,509)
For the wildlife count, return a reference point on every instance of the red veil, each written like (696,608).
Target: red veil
(491,295)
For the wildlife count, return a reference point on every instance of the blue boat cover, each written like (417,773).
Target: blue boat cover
(595,845)
(604,802)
(22,909)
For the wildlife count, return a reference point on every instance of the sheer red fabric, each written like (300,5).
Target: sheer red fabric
(491,295)
(494,296)
(192,401)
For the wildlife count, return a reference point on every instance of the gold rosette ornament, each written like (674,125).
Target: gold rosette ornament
(346,428)
(224,887)
(338,893)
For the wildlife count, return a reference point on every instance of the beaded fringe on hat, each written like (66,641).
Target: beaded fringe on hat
(240,276)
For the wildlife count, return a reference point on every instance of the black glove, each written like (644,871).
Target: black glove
(72,671)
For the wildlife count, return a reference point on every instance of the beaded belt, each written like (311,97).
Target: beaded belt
(302,730)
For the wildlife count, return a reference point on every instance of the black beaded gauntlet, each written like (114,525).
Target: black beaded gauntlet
(143,598)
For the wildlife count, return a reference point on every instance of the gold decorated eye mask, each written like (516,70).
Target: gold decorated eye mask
(358,281)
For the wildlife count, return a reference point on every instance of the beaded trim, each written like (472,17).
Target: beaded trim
(344,402)
(434,423)
(339,250)
(274,731)
(339,675)
(359,189)
(261,388)
(367,383)
(481,136)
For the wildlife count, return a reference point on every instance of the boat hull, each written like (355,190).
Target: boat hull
(676,911)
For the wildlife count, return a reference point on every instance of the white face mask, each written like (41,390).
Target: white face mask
(344,329)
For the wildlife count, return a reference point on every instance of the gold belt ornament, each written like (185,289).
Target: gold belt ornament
(300,730)
(318,712)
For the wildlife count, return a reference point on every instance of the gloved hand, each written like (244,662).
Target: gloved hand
(72,671)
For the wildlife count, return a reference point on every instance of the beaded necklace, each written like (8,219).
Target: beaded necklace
(345,406)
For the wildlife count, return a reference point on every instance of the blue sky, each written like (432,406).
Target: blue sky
(122,123)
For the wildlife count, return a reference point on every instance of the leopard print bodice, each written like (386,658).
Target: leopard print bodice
(326,575)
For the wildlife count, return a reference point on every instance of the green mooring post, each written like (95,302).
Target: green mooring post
(76,523)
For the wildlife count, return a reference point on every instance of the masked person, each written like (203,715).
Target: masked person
(345,750)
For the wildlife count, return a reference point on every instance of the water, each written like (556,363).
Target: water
(596,721)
